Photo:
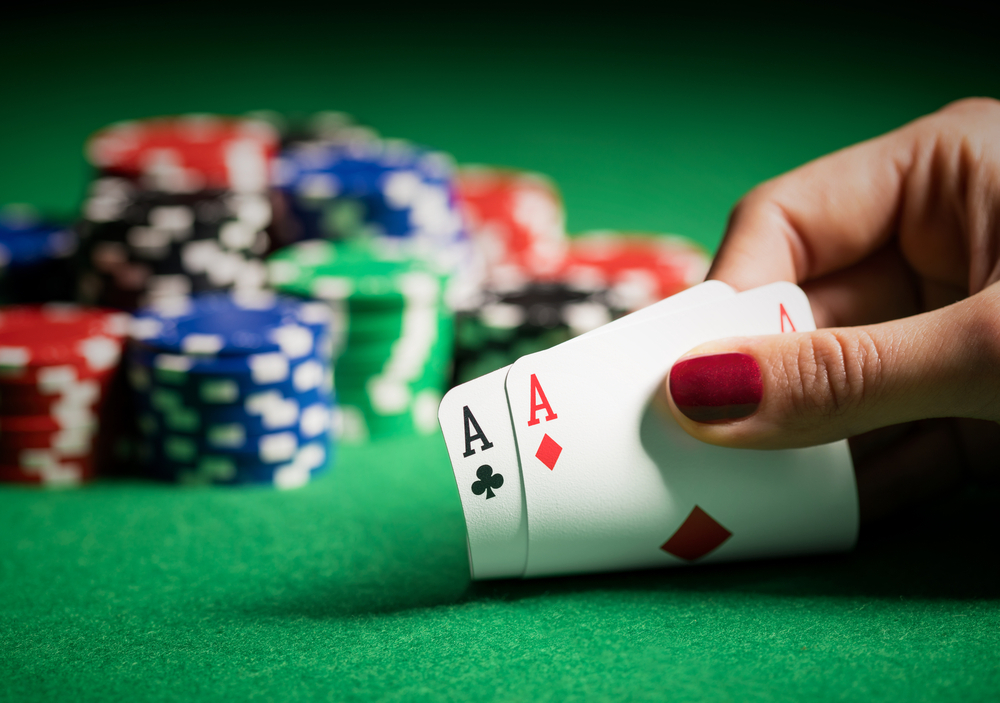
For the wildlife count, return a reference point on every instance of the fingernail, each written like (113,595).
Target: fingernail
(717,387)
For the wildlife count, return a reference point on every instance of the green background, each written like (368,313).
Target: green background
(356,587)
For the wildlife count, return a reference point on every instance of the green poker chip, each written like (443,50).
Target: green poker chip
(364,276)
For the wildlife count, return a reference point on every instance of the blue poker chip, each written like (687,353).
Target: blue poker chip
(25,240)
(217,469)
(239,323)
(379,189)
(232,441)
(205,391)
(262,413)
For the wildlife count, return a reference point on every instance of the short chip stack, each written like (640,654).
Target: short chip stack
(234,388)
(505,323)
(35,257)
(395,360)
(370,189)
(179,206)
(516,221)
(636,269)
(58,364)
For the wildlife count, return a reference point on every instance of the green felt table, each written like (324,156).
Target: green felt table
(356,587)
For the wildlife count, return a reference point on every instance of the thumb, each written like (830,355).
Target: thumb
(802,389)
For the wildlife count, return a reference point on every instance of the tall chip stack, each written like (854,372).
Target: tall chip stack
(36,257)
(384,244)
(58,366)
(234,388)
(395,358)
(178,205)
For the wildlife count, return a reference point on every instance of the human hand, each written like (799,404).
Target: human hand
(896,241)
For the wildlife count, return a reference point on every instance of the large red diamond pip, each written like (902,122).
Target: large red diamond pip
(698,535)
(548,452)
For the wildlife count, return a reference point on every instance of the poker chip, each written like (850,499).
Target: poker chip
(504,324)
(515,218)
(397,334)
(36,257)
(244,379)
(637,269)
(58,365)
(187,154)
(139,246)
(347,187)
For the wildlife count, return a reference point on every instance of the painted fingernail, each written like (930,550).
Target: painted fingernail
(717,387)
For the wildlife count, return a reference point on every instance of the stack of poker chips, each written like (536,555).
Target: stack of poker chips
(636,269)
(36,257)
(58,365)
(359,188)
(515,219)
(178,206)
(505,322)
(394,362)
(233,388)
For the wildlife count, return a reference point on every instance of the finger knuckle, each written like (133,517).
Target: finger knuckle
(975,106)
(832,374)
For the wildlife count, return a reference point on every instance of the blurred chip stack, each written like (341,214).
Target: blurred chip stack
(349,186)
(178,206)
(502,325)
(636,269)
(36,257)
(234,388)
(58,365)
(395,358)
(516,221)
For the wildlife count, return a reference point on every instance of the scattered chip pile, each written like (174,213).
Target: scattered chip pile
(178,206)
(234,388)
(516,220)
(636,269)
(350,187)
(36,264)
(58,364)
(505,323)
(395,359)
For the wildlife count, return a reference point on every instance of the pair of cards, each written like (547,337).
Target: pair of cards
(569,460)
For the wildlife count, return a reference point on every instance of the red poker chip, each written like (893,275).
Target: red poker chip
(639,268)
(67,441)
(34,337)
(46,404)
(84,448)
(68,419)
(515,218)
(67,472)
(187,153)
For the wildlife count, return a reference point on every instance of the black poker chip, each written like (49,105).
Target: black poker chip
(502,325)
(137,245)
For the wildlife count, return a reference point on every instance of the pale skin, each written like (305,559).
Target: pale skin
(896,241)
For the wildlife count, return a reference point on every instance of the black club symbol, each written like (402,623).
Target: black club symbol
(487,481)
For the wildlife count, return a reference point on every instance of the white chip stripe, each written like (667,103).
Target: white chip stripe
(202,344)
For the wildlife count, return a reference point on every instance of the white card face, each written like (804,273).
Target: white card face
(476,425)
(612,482)
(495,515)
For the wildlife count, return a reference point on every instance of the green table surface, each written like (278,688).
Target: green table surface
(356,587)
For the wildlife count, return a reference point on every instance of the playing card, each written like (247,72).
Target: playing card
(611,482)
(476,424)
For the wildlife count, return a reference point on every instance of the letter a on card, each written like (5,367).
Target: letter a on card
(539,402)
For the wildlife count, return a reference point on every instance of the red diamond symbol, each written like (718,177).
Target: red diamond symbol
(548,452)
(698,535)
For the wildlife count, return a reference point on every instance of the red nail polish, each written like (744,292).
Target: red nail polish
(717,387)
